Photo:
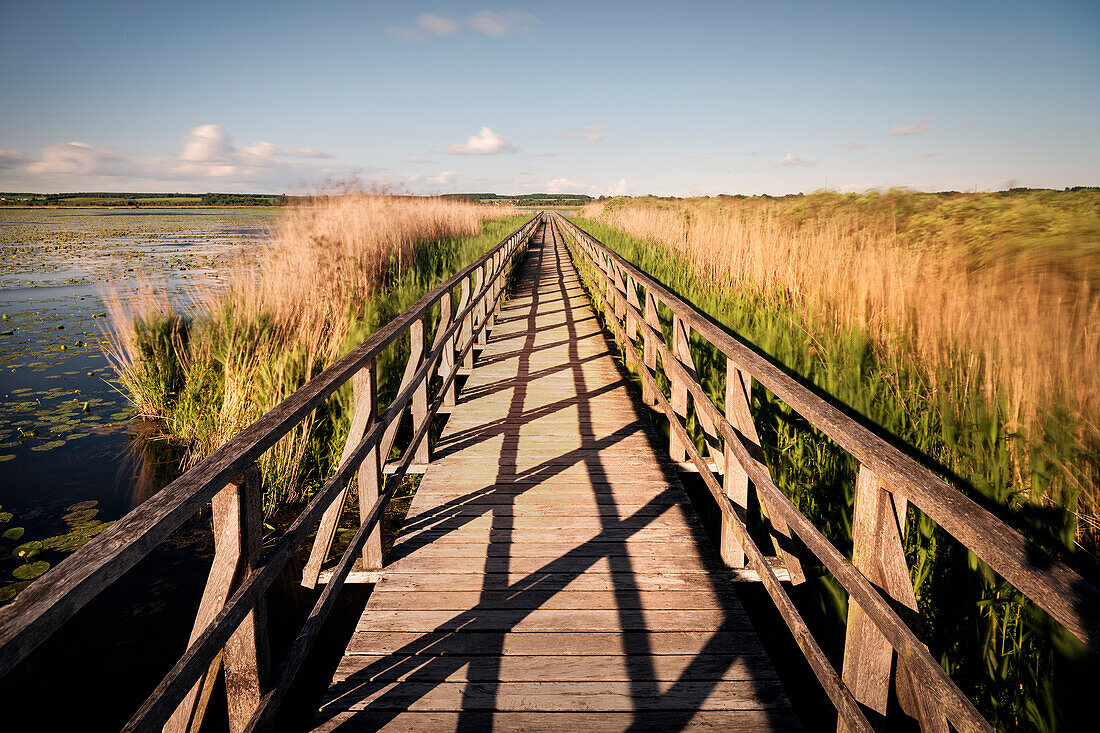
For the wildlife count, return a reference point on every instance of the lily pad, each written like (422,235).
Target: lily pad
(49,446)
(11,590)
(82,505)
(7,457)
(30,571)
(13,534)
(5,517)
(81,516)
(27,549)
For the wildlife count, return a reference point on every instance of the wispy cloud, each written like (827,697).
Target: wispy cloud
(928,155)
(545,154)
(859,83)
(443,178)
(486,22)
(916,129)
(208,154)
(853,145)
(499,25)
(11,159)
(592,133)
(792,159)
(485,142)
(562,185)
(306,153)
(701,156)
(619,189)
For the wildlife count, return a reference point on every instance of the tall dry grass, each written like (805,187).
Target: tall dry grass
(209,372)
(994,295)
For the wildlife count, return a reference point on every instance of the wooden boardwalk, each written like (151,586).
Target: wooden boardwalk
(551,572)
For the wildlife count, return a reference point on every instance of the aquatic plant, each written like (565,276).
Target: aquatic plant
(335,270)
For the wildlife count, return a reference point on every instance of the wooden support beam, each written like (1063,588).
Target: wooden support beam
(680,351)
(370,471)
(238,527)
(735,479)
(649,348)
(740,417)
(467,330)
(878,526)
(420,396)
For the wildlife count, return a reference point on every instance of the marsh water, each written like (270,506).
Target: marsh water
(72,459)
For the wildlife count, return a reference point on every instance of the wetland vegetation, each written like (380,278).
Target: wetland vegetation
(336,270)
(963,326)
(71,458)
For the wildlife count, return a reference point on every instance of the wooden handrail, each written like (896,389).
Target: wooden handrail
(885,471)
(44,606)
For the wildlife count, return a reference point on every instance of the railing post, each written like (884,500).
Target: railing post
(363,412)
(370,470)
(480,309)
(649,349)
(467,330)
(878,526)
(238,541)
(447,359)
(632,300)
(680,352)
(420,395)
(740,417)
(735,479)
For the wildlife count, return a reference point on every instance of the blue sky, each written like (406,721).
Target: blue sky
(668,98)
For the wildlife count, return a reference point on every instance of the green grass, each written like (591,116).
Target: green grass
(192,401)
(1021,669)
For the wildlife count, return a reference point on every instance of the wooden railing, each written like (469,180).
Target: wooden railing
(877,579)
(230,629)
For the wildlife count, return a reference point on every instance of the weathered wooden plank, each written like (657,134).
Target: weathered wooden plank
(540,619)
(572,643)
(383,599)
(417,563)
(538,696)
(649,721)
(555,668)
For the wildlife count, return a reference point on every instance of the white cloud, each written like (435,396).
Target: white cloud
(860,83)
(418,159)
(206,144)
(443,178)
(619,189)
(437,25)
(592,133)
(928,155)
(208,154)
(916,129)
(75,158)
(855,146)
(306,153)
(499,25)
(545,154)
(11,159)
(562,185)
(487,22)
(792,159)
(485,142)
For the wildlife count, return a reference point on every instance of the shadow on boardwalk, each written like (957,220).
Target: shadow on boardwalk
(591,635)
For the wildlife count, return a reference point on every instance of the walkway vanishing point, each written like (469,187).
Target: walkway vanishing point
(552,572)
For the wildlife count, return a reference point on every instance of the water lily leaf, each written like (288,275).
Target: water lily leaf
(27,549)
(13,534)
(80,516)
(7,457)
(49,446)
(30,571)
(82,505)
(11,590)
(5,517)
